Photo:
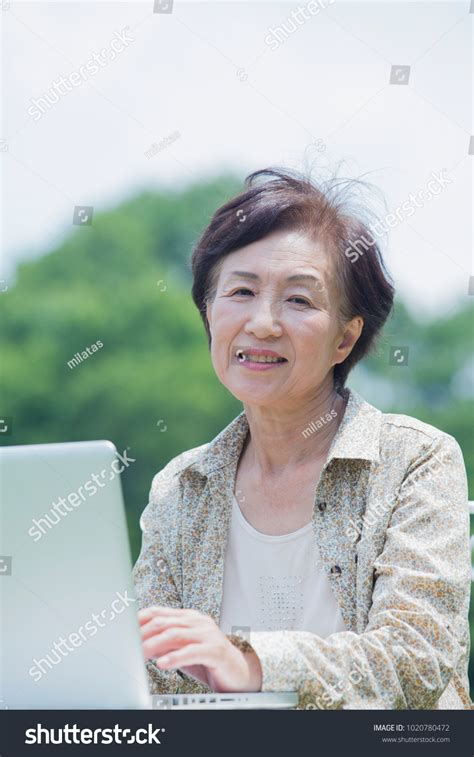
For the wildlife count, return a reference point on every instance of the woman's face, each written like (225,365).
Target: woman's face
(277,298)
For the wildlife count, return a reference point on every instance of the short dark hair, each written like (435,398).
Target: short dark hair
(281,200)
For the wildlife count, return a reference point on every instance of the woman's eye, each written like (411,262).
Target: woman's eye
(300,300)
(242,289)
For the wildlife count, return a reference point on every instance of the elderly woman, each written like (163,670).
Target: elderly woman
(317,544)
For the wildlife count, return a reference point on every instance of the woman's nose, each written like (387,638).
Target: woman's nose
(263,321)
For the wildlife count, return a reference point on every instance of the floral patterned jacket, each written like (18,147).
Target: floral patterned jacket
(391,520)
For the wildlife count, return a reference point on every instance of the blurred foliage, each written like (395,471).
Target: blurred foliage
(126,281)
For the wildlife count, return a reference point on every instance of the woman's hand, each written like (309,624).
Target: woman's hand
(192,642)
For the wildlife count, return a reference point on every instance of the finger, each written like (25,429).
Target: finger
(157,625)
(147,613)
(191,654)
(169,641)
(151,612)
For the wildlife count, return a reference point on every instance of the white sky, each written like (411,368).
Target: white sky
(205,71)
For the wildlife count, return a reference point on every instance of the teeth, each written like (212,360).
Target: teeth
(262,359)
(257,358)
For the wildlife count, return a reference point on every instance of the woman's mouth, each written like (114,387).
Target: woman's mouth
(258,360)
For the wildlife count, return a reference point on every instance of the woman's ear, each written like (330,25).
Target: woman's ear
(352,332)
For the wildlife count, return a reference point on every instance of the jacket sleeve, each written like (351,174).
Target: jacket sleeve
(408,651)
(156,573)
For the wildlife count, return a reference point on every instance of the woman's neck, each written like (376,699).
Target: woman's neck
(279,440)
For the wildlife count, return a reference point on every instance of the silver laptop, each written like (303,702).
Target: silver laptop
(69,634)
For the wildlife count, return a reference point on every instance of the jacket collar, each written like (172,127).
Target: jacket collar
(358,437)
